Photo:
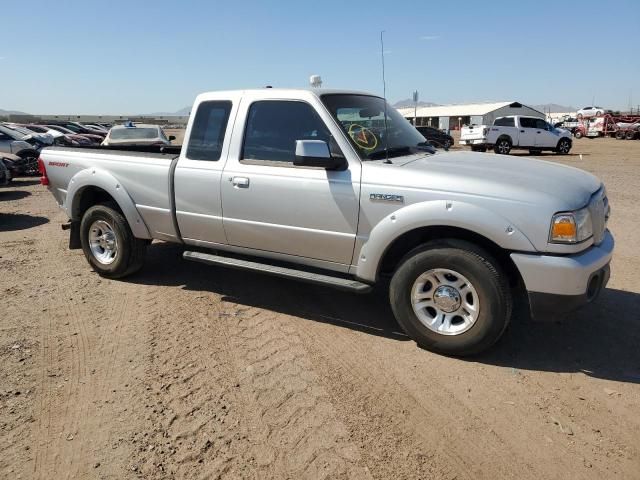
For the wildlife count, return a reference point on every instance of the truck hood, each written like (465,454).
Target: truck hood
(525,180)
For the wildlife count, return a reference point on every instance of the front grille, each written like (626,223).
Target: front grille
(598,207)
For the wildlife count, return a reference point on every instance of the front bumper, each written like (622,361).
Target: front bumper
(557,284)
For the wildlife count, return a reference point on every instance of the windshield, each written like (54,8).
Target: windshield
(362,119)
(134,133)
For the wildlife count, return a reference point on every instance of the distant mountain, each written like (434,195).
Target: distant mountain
(554,108)
(409,103)
(181,112)
(11,112)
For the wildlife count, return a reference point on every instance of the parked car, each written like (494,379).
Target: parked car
(312,178)
(136,135)
(39,139)
(18,166)
(587,112)
(78,128)
(60,138)
(437,138)
(23,146)
(97,127)
(5,174)
(94,139)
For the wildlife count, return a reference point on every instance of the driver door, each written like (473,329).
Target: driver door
(545,136)
(271,205)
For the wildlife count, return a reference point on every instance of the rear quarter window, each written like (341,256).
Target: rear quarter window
(504,122)
(208,130)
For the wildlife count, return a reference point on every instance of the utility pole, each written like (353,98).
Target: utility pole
(415,108)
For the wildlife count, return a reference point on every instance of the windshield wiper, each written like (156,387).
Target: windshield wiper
(391,152)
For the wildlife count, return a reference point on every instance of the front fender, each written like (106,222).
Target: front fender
(96,177)
(443,213)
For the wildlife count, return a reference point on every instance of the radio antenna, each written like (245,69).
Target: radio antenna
(384,96)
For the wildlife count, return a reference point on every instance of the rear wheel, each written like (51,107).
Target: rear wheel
(451,297)
(108,243)
(446,144)
(578,134)
(630,135)
(564,146)
(502,146)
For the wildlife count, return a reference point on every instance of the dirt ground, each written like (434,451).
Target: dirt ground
(189,371)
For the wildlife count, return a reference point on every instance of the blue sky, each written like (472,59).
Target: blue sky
(119,57)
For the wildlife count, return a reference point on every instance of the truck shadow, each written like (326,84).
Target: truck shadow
(600,340)
(11,195)
(16,221)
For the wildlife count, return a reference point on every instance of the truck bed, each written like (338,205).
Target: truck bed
(144,173)
(141,150)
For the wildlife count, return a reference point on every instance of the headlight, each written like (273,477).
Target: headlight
(571,227)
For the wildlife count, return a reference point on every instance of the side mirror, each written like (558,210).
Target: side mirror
(315,153)
(172,138)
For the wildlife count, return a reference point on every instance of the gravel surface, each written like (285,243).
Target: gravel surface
(189,371)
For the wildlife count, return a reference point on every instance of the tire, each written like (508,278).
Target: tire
(630,135)
(502,146)
(483,283)
(620,135)
(446,144)
(564,146)
(116,253)
(578,134)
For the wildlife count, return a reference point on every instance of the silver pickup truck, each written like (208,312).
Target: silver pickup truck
(322,186)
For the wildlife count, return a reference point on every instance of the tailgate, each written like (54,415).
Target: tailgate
(473,134)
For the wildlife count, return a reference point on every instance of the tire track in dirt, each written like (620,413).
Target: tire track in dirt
(85,332)
(231,394)
(301,434)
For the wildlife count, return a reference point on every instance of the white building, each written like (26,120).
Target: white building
(452,117)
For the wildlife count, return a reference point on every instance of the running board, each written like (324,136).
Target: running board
(300,275)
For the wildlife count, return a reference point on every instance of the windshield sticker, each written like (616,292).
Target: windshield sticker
(363,137)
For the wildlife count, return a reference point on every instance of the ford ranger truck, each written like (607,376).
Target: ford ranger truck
(316,186)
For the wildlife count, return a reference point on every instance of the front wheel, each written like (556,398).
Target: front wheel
(564,146)
(108,243)
(451,297)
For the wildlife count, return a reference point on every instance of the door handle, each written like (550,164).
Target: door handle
(240,182)
(538,131)
(521,131)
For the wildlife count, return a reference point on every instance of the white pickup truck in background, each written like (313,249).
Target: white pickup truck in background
(516,131)
(474,136)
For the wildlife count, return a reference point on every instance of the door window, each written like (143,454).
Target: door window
(526,122)
(273,126)
(207,133)
(541,124)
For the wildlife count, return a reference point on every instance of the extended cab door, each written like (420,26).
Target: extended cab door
(198,204)
(546,136)
(269,204)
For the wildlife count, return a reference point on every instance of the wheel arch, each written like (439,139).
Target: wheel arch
(92,187)
(396,235)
